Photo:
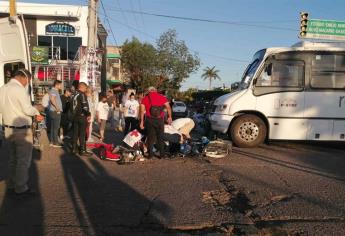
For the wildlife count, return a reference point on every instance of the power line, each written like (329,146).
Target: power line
(107,19)
(134,15)
(195,51)
(237,23)
(141,15)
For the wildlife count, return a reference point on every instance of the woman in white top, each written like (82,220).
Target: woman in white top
(131,114)
(102,114)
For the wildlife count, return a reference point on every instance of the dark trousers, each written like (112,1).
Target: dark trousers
(55,120)
(155,131)
(65,124)
(130,124)
(79,133)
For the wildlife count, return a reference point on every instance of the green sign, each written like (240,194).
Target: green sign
(325,29)
(40,55)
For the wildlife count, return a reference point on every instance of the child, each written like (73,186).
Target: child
(102,114)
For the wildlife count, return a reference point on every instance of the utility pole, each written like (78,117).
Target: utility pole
(92,37)
(13,10)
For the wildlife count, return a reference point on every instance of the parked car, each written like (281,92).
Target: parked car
(179,109)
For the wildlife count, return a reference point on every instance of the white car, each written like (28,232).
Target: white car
(179,109)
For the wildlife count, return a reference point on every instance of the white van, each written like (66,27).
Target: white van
(295,93)
(14,49)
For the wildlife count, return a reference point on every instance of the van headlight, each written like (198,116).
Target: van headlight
(222,107)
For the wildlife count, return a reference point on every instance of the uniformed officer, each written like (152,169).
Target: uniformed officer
(17,113)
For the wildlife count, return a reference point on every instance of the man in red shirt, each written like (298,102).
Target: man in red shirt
(151,108)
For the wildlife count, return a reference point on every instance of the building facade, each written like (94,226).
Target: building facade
(56,34)
(114,70)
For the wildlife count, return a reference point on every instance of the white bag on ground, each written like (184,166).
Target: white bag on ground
(132,138)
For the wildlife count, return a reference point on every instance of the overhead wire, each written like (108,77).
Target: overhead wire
(153,37)
(141,15)
(236,23)
(134,15)
(107,19)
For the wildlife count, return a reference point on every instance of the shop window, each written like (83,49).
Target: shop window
(67,46)
(73,46)
(328,71)
(61,42)
(44,41)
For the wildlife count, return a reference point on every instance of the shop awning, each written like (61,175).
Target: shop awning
(114,82)
(113,56)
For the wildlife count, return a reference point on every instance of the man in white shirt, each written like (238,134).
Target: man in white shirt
(17,113)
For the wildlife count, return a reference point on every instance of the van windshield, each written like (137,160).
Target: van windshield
(251,69)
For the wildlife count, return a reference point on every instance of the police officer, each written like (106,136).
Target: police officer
(80,116)
(17,113)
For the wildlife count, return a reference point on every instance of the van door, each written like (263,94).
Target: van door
(279,92)
(325,97)
(14,50)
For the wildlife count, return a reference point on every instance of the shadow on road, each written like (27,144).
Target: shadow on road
(104,205)
(319,164)
(21,215)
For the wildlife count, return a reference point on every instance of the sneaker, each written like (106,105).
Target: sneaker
(85,153)
(51,145)
(67,137)
(28,193)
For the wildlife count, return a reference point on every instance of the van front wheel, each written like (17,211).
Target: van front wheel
(248,131)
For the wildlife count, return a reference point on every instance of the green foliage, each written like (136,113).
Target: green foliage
(138,60)
(210,74)
(165,67)
(175,62)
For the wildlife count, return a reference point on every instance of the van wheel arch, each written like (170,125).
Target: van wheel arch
(255,113)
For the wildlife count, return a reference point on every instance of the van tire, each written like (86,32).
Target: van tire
(248,131)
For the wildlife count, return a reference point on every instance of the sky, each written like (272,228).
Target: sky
(228,47)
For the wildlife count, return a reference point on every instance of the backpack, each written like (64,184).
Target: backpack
(45,100)
(155,111)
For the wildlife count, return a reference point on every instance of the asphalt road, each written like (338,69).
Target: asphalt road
(276,189)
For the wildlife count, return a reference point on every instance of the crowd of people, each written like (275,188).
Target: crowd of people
(71,116)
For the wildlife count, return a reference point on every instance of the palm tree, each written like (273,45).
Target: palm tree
(210,74)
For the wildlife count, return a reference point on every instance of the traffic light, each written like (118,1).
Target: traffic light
(304,23)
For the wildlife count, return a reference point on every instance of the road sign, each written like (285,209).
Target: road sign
(325,29)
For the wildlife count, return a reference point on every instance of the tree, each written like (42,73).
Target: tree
(174,61)
(139,60)
(165,66)
(210,74)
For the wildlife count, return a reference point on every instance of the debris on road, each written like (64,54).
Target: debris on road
(218,149)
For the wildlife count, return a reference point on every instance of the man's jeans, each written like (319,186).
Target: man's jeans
(19,144)
(55,119)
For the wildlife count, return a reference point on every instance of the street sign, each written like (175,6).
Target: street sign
(325,29)
(40,55)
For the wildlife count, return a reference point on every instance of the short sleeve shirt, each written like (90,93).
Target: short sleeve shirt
(103,110)
(153,99)
(131,108)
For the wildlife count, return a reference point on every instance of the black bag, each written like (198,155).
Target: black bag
(155,111)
